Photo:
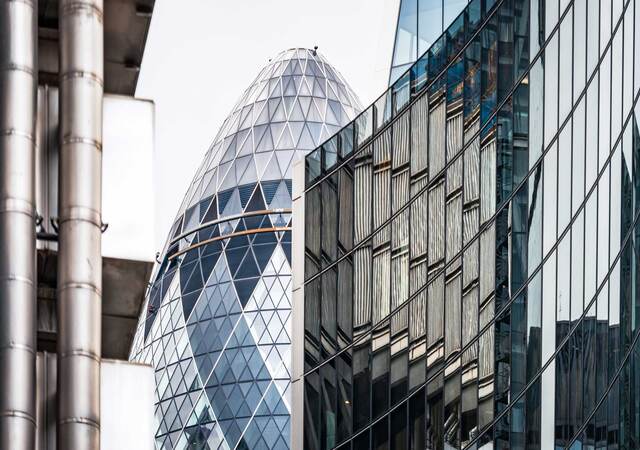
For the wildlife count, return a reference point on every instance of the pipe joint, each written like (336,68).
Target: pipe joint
(76,285)
(14,132)
(17,206)
(79,420)
(19,414)
(82,140)
(80,213)
(81,353)
(82,74)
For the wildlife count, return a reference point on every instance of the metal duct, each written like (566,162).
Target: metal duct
(79,211)
(17,226)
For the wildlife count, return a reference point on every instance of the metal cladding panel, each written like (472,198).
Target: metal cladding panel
(126,392)
(127,158)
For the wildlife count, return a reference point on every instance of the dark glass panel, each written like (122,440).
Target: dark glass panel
(455,78)
(328,312)
(380,382)
(469,414)
(472,73)
(380,435)
(330,153)
(344,302)
(329,218)
(328,411)
(399,372)
(345,395)
(312,322)
(313,220)
(417,421)
(435,422)
(361,386)
(311,411)
(489,42)
(452,411)
(437,62)
(312,166)
(533,417)
(399,428)
(362,442)
(456,36)
(346,141)
(506,23)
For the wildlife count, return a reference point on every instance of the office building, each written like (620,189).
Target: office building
(465,252)
(217,319)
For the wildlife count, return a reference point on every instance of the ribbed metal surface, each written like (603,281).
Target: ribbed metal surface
(362,288)
(435,310)
(471,162)
(437,139)
(17,227)
(452,310)
(487,181)
(381,285)
(419,135)
(436,224)
(79,260)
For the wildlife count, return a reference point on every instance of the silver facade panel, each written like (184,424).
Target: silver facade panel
(80,223)
(18,68)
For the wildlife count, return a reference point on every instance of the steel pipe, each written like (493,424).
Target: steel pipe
(18,87)
(79,211)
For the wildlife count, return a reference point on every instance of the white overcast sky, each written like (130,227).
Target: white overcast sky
(200,55)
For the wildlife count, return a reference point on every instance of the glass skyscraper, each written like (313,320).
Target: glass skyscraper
(420,23)
(217,319)
(466,274)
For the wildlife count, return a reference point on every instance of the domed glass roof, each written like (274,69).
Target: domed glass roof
(217,321)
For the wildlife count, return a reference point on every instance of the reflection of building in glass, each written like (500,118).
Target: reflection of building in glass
(466,273)
(420,23)
(217,321)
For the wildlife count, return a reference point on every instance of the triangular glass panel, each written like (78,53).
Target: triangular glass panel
(245,193)
(244,289)
(257,202)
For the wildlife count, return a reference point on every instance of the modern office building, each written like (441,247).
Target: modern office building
(217,321)
(75,201)
(420,23)
(465,252)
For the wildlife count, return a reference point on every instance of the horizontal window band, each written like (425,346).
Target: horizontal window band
(229,236)
(229,219)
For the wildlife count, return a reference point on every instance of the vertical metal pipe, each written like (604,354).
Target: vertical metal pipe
(17,226)
(79,211)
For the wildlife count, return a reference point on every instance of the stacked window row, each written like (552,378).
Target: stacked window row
(465,268)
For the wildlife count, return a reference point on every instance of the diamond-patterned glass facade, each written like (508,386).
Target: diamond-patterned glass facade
(217,319)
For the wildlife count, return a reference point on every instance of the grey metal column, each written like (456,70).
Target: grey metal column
(17,227)
(79,211)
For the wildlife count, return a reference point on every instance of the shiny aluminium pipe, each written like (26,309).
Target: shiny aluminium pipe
(79,223)
(18,87)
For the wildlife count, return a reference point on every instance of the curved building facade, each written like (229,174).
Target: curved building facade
(481,288)
(420,23)
(217,321)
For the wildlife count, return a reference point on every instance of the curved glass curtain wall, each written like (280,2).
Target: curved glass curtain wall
(491,254)
(420,23)
(216,324)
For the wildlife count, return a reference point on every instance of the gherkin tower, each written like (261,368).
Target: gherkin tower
(217,319)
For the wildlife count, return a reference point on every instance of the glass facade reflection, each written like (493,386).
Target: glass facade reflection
(420,23)
(217,318)
(471,253)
